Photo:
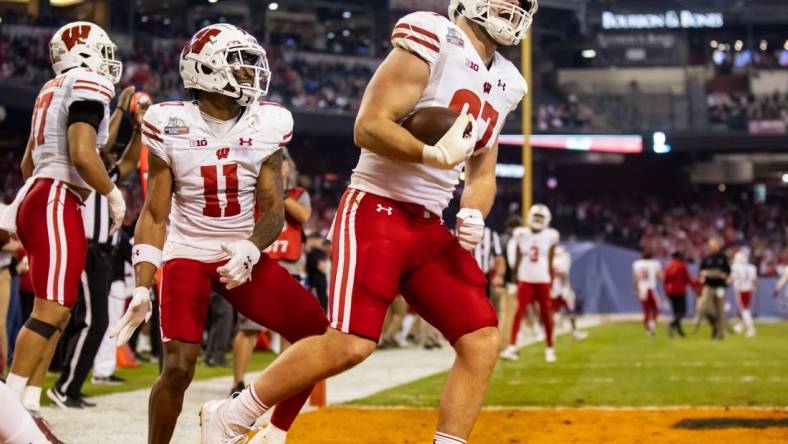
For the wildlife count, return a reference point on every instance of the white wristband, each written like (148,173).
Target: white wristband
(146,253)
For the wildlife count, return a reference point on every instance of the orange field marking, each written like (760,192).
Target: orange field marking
(551,426)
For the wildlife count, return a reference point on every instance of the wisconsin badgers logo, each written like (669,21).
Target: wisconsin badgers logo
(222,153)
(77,34)
(201,39)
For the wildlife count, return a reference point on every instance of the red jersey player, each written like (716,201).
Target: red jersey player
(535,250)
(61,165)
(388,236)
(212,161)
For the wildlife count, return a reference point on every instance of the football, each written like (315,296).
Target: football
(430,124)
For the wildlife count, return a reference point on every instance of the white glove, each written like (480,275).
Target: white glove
(470,227)
(243,256)
(455,146)
(117,209)
(139,311)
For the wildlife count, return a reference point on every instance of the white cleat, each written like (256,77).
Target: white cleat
(549,355)
(510,354)
(749,334)
(213,429)
(579,335)
(266,435)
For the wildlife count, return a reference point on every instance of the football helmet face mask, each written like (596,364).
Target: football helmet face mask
(505,21)
(227,60)
(85,45)
(539,217)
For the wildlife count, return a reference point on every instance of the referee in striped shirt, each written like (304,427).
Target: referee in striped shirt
(489,255)
(90,317)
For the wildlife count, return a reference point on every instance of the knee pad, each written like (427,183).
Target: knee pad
(41,328)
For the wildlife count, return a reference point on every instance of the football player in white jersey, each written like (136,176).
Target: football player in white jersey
(388,236)
(745,282)
(212,163)
(61,166)
(536,245)
(563,295)
(646,273)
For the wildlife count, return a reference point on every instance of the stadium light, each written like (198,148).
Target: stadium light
(347,14)
(212,1)
(273,6)
(588,53)
(785,178)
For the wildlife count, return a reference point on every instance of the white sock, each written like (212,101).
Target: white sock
(407,325)
(31,398)
(242,411)
(16,425)
(443,438)
(747,318)
(274,435)
(17,384)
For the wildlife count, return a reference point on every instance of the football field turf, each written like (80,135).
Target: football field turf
(619,366)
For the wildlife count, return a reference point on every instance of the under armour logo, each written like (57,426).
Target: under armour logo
(487,87)
(502,84)
(242,141)
(222,153)
(382,209)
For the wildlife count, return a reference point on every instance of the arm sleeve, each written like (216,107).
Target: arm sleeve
(152,136)
(86,111)
(417,33)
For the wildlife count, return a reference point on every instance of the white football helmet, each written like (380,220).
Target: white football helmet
(505,21)
(742,256)
(86,45)
(217,54)
(539,217)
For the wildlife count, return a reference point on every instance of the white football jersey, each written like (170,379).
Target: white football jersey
(457,77)
(647,275)
(744,276)
(214,178)
(535,254)
(49,128)
(562,263)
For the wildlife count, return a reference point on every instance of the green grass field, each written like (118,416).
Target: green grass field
(619,366)
(145,375)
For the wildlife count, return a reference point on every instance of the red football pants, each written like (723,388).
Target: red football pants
(528,293)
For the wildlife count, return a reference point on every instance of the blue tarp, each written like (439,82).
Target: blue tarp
(602,278)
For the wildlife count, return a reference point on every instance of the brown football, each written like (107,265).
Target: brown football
(430,124)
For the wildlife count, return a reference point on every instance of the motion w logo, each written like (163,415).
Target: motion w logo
(77,34)
(222,153)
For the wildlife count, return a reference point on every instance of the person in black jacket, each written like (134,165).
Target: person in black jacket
(715,270)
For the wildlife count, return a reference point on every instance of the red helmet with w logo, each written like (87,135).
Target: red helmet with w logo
(86,45)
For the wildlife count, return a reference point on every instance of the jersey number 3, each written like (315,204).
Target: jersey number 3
(211,190)
(488,113)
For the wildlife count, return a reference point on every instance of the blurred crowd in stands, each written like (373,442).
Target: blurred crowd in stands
(299,83)
(662,226)
(735,111)
(564,115)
